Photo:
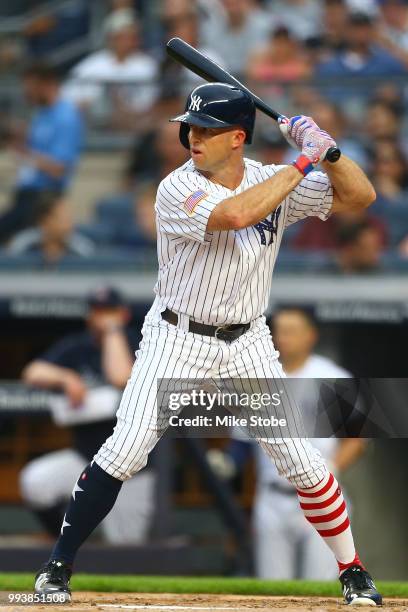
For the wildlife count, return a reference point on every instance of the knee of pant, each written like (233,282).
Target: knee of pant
(33,488)
(305,473)
(119,466)
(307,476)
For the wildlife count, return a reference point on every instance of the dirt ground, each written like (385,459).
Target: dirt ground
(113,602)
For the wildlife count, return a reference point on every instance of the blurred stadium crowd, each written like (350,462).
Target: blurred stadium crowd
(73,69)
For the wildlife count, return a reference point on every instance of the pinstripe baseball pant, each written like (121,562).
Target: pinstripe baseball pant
(167,351)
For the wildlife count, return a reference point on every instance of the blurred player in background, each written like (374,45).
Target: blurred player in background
(285,545)
(90,368)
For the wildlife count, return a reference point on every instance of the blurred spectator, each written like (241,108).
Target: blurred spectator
(394,31)
(389,93)
(382,121)
(271,147)
(53,237)
(362,56)
(389,171)
(403,248)
(145,10)
(235,33)
(390,179)
(335,17)
(12,53)
(125,220)
(181,19)
(154,156)
(116,85)
(281,59)
(48,153)
(64,25)
(144,213)
(313,236)
(138,6)
(303,17)
(359,250)
(368,7)
(90,369)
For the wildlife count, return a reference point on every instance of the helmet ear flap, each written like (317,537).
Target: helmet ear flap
(183,135)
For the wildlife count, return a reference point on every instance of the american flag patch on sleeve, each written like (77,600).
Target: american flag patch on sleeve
(192,201)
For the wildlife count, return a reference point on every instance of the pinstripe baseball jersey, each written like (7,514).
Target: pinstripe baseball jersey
(224,277)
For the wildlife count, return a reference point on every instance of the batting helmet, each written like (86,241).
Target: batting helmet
(217,105)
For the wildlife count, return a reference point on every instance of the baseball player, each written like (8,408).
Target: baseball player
(220,219)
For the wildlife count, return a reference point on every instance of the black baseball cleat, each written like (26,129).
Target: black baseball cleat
(359,588)
(54,578)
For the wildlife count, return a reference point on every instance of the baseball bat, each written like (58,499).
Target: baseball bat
(209,70)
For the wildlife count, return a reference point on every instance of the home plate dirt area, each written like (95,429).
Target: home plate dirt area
(157,602)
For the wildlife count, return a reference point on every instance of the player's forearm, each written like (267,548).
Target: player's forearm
(117,359)
(45,374)
(256,203)
(350,184)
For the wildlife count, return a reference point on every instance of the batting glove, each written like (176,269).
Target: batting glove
(303,133)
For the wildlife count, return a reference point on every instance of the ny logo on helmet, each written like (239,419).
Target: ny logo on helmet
(195,103)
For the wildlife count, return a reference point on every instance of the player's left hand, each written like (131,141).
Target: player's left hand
(106,320)
(306,135)
(297,128)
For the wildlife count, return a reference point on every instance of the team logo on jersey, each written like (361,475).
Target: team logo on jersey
(195,103)
(268,225)
(192,201)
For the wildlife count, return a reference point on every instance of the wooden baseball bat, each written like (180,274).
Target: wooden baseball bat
(209,70)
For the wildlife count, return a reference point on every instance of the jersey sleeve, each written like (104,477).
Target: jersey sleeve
(184,205)
(313,197)
(63,353)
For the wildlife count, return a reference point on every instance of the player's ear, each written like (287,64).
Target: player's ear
(238,138)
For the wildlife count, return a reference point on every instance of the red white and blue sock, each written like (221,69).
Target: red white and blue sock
(325,508)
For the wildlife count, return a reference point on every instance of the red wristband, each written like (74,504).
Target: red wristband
(303,164)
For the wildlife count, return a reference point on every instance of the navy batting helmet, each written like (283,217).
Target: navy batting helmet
(217,105)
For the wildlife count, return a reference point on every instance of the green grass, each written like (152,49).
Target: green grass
(227,586)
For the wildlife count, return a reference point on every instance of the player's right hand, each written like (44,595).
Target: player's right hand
(74,388)
(221,464)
